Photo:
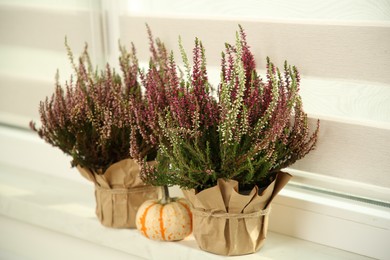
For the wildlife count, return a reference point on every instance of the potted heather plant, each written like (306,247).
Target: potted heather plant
(227,154)
(99,119)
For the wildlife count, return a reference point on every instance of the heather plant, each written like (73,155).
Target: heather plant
(253,130)
(101,117)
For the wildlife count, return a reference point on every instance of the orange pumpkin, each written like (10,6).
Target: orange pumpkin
(168,219)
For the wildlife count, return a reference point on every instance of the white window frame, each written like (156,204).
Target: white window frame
(319,216)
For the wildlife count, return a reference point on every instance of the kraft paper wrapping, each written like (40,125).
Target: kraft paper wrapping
(119,192)
(228,223)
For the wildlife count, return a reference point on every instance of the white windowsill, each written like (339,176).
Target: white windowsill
(44,207)
(38,177)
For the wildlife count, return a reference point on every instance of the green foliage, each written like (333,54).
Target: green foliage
(99,117)
(251,132)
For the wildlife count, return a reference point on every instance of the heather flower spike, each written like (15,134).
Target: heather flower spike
(101,117)
(256,128)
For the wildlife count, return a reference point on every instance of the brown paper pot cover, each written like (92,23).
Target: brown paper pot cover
(228,223)
(119,193)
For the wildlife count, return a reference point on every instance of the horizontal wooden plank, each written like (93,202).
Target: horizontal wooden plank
(358,51)
(71,5)
(20,97)
(32,63)
(351,151)
(44,28)
(359,101)
(330,10)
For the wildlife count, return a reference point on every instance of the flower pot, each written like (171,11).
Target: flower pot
(226,222)
(119,192)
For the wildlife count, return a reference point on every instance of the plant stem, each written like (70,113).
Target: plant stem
(165,195)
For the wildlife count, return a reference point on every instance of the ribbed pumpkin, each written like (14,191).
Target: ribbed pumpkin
(168,219)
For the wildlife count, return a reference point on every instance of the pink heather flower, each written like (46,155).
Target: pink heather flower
(256,127)
(99,117)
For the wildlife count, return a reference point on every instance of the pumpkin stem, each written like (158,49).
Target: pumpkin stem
(165,195)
